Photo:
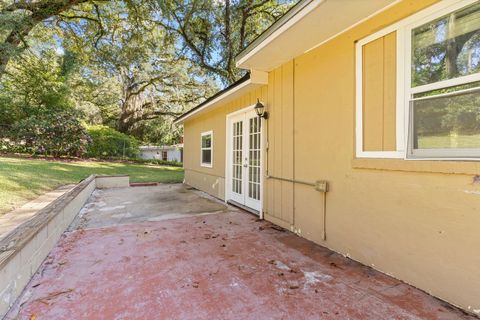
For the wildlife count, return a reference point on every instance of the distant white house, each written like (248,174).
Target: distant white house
(166,153)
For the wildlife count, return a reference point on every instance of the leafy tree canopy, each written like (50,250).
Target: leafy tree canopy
(132,65)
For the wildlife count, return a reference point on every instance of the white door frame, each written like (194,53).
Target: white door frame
(228,155)
(229,194)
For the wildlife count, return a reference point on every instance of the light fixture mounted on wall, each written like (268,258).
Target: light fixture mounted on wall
(260,110)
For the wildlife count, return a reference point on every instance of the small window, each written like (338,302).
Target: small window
(207,149)
(164,155)
(444,95)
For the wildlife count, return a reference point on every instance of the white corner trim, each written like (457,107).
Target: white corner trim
(259,77)
(401,100)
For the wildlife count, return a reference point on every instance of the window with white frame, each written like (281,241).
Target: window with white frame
(444,90)
(437,83)
(207,149)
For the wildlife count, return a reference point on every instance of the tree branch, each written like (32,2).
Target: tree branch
(40,11)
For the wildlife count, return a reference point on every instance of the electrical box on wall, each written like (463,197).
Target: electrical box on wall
(321,186)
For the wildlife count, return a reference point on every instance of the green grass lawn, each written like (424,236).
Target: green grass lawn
(452,141)
(25,179)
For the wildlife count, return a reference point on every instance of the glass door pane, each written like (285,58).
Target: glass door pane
(237,156)
(254,156)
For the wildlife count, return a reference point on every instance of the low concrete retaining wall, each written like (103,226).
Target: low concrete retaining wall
(23,250)
(107,182)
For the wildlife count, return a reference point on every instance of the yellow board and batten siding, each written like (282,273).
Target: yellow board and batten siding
(415,220)
(379,94)
(279,194)
(212,180)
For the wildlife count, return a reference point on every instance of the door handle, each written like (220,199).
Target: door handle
(245,165)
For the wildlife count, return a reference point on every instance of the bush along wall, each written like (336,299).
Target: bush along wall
(160,162)
(108,143)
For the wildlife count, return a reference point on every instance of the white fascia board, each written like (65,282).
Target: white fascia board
(256,78)
(299,16)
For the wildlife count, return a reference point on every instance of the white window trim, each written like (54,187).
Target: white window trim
(403,30)
(400,125)
(205,164)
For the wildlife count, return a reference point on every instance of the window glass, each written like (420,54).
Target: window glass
(445,122)
(206,149)
(206,156)
(448,121)
(447,48)
(207,141)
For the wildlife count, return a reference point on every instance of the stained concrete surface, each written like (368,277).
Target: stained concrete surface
(110,207)
(228,265)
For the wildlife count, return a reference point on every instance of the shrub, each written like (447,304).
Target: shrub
(108,143)
(160,162)
(53,134)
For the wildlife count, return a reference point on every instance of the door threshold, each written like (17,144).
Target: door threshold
(241,206)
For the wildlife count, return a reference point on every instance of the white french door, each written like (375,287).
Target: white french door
(244,167)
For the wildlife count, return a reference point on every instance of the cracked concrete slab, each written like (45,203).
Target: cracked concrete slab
(110,207)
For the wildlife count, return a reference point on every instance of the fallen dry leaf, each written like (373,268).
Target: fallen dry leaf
(278,228)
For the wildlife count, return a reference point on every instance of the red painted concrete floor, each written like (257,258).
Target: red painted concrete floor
(220,266)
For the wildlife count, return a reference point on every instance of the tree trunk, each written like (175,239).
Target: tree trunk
(452,50)
(131,110)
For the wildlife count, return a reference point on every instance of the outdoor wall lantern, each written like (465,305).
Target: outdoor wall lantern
(260,110)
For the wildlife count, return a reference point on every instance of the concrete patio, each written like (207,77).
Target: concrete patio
(170,252)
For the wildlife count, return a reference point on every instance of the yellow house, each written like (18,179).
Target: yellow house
(369,141)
